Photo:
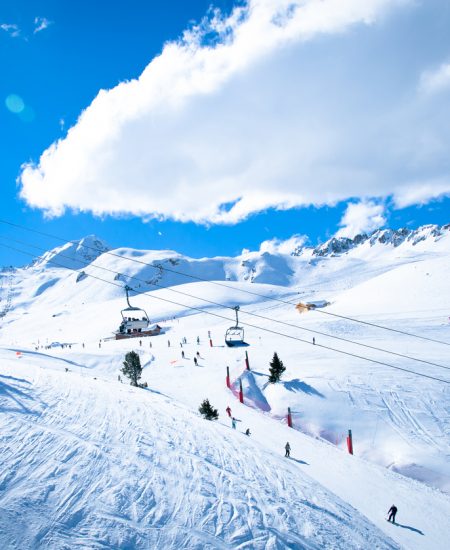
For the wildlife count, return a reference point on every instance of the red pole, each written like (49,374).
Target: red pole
(241,393)
(247,364)
(289,418)
(210,343)
(350,442)
(228,378)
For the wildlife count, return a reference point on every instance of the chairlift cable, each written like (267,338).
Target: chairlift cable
(296,338)
(218,283)
(252,314)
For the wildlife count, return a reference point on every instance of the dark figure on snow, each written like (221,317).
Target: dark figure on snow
(314,340)
(168,343)
(392,513)
(233,423)
(228,410)
(198,354)
(195,361)
(182,354)
(198,339)
(288,450)
(247,431)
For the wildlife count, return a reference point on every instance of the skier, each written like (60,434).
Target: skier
(140,342)
(198,340)
(233,423)
(228,410)
(288,450)
(392,512)
(195,361)
(168,343)
(182,354)
(314,341)
(247,431)
(198,354)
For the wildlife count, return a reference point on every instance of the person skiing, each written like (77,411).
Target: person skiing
(247,431)
(233,423)
(314,341)
(195,361)
(182,354)
(228,410)
(198,339)
(392,512)
(288,450)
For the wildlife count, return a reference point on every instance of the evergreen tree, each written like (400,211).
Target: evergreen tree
(207,411)
(276,369)
(132,367)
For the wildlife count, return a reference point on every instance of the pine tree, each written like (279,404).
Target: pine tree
(208,411)
(276,369)
(132,367)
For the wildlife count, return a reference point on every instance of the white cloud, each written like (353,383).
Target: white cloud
(422,192)
(213,133)
(437,80)
(40,24)
(278,246)
(361,217)
(10,28)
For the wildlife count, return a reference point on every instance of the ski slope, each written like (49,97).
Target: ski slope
(95,463)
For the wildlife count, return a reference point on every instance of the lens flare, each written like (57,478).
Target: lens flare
(14,103)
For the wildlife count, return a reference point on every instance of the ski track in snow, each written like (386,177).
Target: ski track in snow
(105,466)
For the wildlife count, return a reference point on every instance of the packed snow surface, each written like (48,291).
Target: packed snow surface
(88,461)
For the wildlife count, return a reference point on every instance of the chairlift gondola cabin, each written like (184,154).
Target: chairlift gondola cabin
(135,322)
(234,336)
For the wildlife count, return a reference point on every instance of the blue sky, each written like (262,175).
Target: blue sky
(264,125)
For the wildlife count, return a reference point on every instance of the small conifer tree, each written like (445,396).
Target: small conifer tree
(132,367)
(207,411)
(276,369)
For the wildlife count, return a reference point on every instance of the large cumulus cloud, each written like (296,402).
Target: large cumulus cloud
(262,108)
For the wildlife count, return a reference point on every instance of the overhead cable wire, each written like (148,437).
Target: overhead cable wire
(271,331)
(218,283)
(265,318)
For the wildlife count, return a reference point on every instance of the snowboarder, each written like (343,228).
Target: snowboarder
(247,431)
(288,450)
(392,512)
(314,341)
(195,361)
(182,354)
(233,423)
(228,410)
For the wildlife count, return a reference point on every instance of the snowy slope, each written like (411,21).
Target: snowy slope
(97,464)
(400,421)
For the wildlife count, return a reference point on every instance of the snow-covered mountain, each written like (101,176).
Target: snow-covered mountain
(94,463)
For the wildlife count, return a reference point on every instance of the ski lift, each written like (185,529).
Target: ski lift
(234,336)
(134,319)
